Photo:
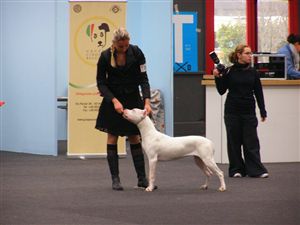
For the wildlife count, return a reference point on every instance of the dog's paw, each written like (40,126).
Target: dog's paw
(149,189)
(222,189)
(204,187)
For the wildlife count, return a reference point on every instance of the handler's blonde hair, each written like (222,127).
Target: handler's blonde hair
(119,34)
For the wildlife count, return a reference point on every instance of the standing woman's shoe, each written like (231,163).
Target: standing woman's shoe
(264,175)
(237,175)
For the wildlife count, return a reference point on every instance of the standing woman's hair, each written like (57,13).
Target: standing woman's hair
(293,38)
(233,58)
(119,34)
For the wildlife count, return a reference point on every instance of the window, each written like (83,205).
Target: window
(234,23)
(272,23)
(229,26)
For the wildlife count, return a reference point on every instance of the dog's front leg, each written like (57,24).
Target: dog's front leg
(152,168)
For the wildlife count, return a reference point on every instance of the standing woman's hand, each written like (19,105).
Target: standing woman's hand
(118,106)
(216,73)
(263,119)
(148,106)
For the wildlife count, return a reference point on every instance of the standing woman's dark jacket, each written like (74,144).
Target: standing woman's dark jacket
(242,83)
(121,82)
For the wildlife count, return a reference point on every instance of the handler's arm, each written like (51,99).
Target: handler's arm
(102,81)
(144,81)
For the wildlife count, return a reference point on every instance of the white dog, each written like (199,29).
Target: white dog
(159,146)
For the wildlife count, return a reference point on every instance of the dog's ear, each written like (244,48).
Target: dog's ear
(144,113)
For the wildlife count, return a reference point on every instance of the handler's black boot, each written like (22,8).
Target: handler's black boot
(116,184)
(113,162)
(139,164)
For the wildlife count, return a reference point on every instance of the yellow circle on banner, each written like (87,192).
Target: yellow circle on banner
(92,37)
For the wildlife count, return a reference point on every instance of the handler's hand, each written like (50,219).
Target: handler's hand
(118,106)
(263,119)
(148,106)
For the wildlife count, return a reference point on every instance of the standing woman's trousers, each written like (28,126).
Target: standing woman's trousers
(242,132)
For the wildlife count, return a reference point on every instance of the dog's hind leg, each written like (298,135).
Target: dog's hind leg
(211,164)
(205,170)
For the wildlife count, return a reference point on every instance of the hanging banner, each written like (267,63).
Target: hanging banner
(185,38)
(91,28)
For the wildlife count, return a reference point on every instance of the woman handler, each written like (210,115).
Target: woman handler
(121,71)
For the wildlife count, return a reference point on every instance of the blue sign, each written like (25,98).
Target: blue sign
(185,42)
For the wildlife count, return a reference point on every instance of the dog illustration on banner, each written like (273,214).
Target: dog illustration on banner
(100,35)
(159,146)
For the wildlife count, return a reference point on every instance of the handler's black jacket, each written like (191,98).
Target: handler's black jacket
(242,82)
(113,82)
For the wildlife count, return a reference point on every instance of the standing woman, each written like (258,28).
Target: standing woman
(292,50)
(121,70)
(244,86)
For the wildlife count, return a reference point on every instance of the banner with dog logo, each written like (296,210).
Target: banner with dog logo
(91,28)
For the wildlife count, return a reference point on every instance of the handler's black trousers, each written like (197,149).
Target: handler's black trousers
(242,131)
